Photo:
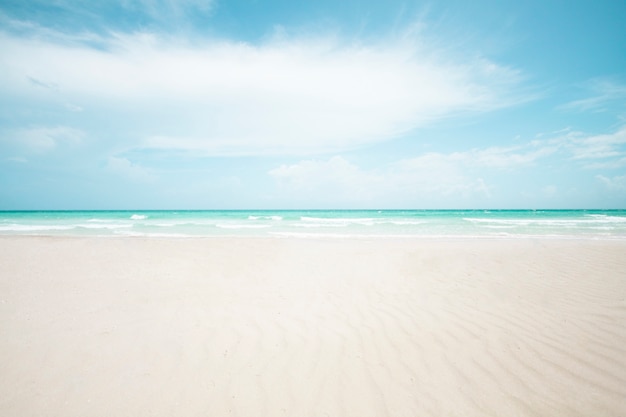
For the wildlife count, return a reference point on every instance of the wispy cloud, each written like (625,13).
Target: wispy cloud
(335,177)
(506,157)
(76,17)
(431,176)
(597,151)
(42,139)
(129,170)
(283,96)
(602,92)
(164,9)
(616,183)
(42,84)
(456,175)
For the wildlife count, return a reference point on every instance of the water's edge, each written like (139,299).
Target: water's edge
(595,224)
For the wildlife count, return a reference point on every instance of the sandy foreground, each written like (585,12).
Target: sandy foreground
(296,327)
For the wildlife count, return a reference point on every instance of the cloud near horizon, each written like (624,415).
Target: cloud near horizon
(460,176)
(436,176)
(285,95)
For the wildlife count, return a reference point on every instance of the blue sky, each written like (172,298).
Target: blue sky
(209,104)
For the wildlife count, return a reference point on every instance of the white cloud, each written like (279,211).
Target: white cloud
(444,174)
(73,108)
(616,183)
(296,96)
(162,9)
(129,170)
(335,178)
(600,146)
(610,164)
(42,139)
(511,157)
(42,84)
(441,174)
(607,147)
(433,176)
(75,15)
(592,151)
(493,157)
(603,92)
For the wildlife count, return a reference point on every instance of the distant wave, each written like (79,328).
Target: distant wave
(265,218)
(329,223)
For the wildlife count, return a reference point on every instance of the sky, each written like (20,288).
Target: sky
(249,104)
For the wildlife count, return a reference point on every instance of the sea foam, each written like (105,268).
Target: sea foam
(276,218)
(242,226)
(33,227)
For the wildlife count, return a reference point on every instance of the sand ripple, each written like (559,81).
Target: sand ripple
(273,327)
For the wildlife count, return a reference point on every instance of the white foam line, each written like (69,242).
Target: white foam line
(242,226)
(367,221)
(33,228)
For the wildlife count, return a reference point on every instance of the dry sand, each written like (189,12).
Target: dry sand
(288,327)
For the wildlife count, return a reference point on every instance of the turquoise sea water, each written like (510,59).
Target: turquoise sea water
(595,224)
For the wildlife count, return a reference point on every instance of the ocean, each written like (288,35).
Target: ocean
(570,224)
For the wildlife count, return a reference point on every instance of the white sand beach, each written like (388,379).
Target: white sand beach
(312,327)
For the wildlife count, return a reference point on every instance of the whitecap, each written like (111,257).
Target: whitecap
(138,217)
(148,234)
(406,222)
(338,220)
(603,218)
(315,225)
(242,226)
(105,226)
(265,218)
(32,228)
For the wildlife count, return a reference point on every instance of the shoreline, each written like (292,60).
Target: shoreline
(336,224)
(329,237)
